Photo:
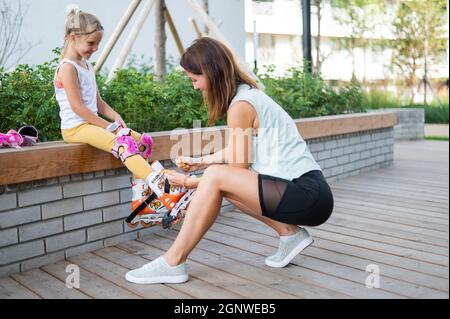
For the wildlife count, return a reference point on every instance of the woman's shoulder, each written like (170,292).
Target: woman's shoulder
(245,92)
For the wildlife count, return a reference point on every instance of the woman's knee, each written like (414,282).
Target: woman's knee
(213,174)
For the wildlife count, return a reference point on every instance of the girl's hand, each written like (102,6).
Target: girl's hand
(189,164)
(118,119)
(178,179)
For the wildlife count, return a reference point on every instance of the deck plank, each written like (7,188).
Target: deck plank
(90,283)
(406,263)
(116,274)
(11,289)
(403,243)
(337,258)
(295,270)
(335,264)
(47,286)
(231,282)
(273,281)
(195,286)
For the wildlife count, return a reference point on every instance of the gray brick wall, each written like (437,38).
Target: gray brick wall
(347,155)
(411,123)
(45,221)
(48,220)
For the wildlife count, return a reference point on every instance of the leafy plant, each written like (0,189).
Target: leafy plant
(147,105)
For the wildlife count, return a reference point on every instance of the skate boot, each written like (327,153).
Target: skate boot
(147,209)
(159,184)
(163,204)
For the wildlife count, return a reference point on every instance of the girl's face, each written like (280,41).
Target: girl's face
(198,81)
(86,45)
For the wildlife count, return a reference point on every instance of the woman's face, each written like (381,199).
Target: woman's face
(198,81)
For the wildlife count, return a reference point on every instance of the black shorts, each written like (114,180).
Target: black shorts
(305,201)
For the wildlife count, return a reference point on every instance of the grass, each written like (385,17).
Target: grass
(436,138)
(377,98)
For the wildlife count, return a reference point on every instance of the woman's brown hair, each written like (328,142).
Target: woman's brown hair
(209,57)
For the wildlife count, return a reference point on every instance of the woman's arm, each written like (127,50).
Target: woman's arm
(240,128)
(69,78)
(219,157)
(240,124)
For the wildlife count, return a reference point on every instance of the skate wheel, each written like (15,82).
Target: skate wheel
(145,225)
(132,225)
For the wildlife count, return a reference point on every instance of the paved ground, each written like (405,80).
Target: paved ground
(439,130)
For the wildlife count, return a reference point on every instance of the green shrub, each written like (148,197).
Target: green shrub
(147,105)
(380,99)
(304,95)
(434,114)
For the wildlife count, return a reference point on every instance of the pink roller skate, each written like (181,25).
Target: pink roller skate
(11,139)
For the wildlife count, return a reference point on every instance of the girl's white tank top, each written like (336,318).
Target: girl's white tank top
(88,92)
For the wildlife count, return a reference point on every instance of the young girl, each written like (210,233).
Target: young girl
(280,183)
(80,102)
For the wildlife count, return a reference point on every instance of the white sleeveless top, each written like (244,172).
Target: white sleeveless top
(88,92)
(278,150)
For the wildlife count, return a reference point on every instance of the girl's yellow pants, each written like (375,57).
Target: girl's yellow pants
(105,140)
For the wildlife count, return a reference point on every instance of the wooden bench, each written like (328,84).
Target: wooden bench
(53,159)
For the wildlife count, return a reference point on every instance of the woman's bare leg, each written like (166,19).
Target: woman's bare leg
(217,182)
(282,229)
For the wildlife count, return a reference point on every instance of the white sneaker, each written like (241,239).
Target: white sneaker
(158,272)
(288,250)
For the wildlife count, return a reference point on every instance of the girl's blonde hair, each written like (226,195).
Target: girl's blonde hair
(209,57)
(79,23)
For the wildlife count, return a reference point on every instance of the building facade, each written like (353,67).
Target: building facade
(279,30)
(43,26)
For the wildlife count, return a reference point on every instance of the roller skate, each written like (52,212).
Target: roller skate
(176,215)
(11,139)
(147,209)
(160,203)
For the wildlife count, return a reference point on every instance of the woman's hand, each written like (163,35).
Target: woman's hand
(178,179)
(190,164)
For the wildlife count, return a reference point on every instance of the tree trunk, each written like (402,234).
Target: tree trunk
(319,19)
(205,5)
(160,40)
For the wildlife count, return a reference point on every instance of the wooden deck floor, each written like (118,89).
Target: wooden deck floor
(395,218)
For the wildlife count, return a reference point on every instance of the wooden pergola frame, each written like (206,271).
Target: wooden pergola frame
(137,27)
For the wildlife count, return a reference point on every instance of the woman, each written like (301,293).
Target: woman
(266,171)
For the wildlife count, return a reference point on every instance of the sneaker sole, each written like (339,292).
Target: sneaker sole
(157,280)
(297,250)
